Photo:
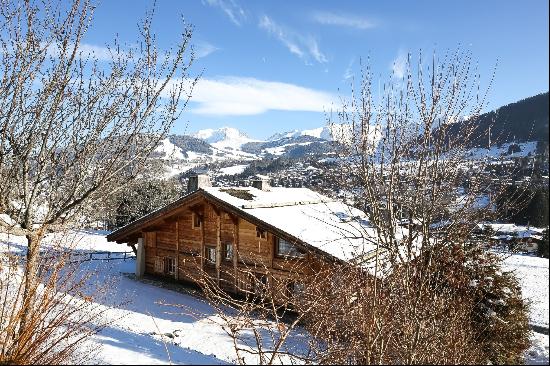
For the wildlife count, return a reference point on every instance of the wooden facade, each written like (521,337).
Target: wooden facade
(200,235)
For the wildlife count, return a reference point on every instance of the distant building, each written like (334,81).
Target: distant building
(517,237)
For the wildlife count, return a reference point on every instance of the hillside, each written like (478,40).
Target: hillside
(522,121)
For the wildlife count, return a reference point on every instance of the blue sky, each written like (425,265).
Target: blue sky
(271,66)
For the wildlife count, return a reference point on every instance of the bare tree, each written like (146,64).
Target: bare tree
(341,314)
(428,292)
(75,128)
(65,312)
(407,157)
(259,318)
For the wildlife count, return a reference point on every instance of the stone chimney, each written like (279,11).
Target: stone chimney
(198,180)
(261,182)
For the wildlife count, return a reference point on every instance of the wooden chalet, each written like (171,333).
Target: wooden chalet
(245,235)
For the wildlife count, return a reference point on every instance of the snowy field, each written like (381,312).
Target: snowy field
(144,331)
(532,272)
(234,169)
(526,149)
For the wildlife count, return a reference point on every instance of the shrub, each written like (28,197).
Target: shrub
(499,315)
(450,306)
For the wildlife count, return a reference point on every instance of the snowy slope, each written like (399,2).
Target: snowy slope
(280,150)
(532,273)
(527,148)
(234,169)
(145,331)
(169,151)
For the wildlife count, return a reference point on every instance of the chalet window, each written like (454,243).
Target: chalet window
(286,249)
(228,251)
(210,255)
(197,221)
(261,233)
(169,265)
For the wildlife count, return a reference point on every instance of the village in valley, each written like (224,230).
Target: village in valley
(223,182)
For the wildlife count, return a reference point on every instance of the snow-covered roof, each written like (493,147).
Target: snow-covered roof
(298,214)
(518,231)
(331,226)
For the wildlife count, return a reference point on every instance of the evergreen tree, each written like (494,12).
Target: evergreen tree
(141,198)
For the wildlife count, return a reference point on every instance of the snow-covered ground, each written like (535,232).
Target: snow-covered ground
(144,331)
(526,148)
(169,150)
(532,273)
(234,169)
(280,150)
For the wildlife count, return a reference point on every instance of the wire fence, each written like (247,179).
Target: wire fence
(81,257)
(70,258)
(100,256)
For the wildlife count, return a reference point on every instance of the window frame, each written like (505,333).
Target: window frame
(260,283)
(196,218)
(295,289)
(209,249)
(278,253)
(169,262)
(261,233)
(226,252)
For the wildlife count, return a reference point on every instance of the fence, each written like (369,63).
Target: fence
(75,257)
(99,256)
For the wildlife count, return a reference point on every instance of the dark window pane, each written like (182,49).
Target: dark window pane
(286,249)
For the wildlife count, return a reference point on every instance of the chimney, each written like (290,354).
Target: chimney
(261,182)
(198,180)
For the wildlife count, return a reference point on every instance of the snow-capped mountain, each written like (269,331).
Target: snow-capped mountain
(329,133)
(224,137)
(283,135)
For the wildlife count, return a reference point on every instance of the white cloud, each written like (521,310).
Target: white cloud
(250,96)
(348,74)
(85,50)
(101,53)
(303,46)
(203,49)
(343,20)
(233,11)
(399,64)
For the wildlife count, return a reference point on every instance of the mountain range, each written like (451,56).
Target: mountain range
(520,122)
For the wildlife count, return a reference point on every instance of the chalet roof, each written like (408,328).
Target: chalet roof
(308,217)
(331,226)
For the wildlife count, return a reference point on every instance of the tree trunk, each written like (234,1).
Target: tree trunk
(31,275)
